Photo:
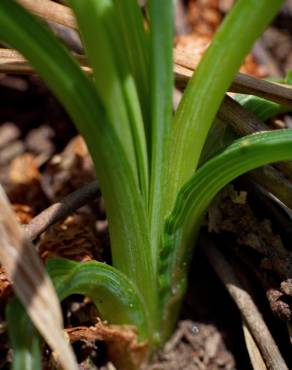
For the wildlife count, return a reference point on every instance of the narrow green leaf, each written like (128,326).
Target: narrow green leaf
(114,295)
(194,198)
(135,47)
(23,337)
(205,91)
(125,206)
(262,108)
(101,32)
(161,39)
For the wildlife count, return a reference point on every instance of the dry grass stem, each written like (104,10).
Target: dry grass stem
(32,284)
(246,123)
(254,353)
(13,62)
(53,12)
(242,83)
(274,182)
(249,311)
(50,11)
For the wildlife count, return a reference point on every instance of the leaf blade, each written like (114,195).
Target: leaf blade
(206,89)
(115,296)
(125,206)
(161,62)
(183,224)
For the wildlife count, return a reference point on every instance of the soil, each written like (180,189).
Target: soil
(42,159)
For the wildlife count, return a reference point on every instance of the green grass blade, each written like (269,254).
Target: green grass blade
(125,206)
(115,297)
(161,38)
(262,108)
(23,338)
(135,47)
(102,35)
(205,91)
(194,198)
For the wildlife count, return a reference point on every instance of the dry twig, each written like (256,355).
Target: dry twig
(11,61)
(51,11)
(242,83)
(274,182)
(61,209)
(246,306)
(278,93)
(254,353)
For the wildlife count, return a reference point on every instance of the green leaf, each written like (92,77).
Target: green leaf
(135,47)
(23,337)
(288,79)
(262,108)
(100,27)
(194,198)
(126,210)
(161,38)
(114,295)
(221,134)
(205,91)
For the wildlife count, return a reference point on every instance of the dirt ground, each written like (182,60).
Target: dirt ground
(42,159)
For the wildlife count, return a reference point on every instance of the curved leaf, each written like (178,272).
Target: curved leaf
(194,198)
(115,297)
(208,85)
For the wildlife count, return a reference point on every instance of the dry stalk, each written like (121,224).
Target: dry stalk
(50,11)
(246,123)
(274,182)
(242,83)
(254,353)
(248,310)
(60,210)
(11,61)
(53,12)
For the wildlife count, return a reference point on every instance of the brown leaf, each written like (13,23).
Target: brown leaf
(31,283)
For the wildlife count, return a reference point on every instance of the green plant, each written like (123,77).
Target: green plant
(146,157)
